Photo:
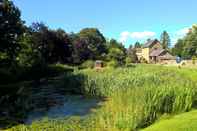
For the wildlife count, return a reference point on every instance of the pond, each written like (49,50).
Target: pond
(73,105)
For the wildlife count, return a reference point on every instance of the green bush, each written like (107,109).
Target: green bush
(128,61)
(143,60)
(113,64)
(87,64)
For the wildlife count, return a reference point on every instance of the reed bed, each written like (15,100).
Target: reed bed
(135,98)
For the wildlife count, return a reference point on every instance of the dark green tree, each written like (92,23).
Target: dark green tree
(178,48)
(117,54)
(11,28)
(190,42)
(115,44)
(89,44)
(96,42)
(187,46)
(165,40)
(116,51)
(137,45)
(52,45)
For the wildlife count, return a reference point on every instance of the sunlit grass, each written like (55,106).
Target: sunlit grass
(183,122)
(135,98)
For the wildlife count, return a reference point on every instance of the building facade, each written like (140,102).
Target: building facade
(153,52)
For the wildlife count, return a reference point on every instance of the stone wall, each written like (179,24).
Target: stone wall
(183,62)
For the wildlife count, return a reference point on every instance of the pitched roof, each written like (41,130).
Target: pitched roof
(149,43)
(157,52)
(167,56)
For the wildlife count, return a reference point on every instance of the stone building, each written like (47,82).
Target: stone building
(153,52)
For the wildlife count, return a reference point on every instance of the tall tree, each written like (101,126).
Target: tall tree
(137,45)
(88,44)
(178,48)
(190,42)
(52,45)
(165,40)
(187,46)
(11,28)
(116,51)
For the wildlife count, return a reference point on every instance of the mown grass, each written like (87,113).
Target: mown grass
(184,122)
(136,97)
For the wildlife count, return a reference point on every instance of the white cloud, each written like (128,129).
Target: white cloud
(142,35)
(125,36)
(179,34)
(182,32)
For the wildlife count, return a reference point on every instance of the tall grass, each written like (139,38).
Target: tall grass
(136,96)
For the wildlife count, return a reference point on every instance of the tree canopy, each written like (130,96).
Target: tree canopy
(187,46)
(11,28)
(165,40)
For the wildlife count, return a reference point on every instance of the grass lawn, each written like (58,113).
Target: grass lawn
(183,122)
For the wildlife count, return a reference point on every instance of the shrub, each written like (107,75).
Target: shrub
(113,64)
(128,61)
(87,64)
(143,60)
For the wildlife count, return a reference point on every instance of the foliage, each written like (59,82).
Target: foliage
(137,45)
(165,40)
(11,28)
(53,46)
(128,60)
(88,64)
(136,97)
(143,60)
(117,54)
(113,63)
(187,47)
(90,44)
(112,43)
(131,53)
(178,48)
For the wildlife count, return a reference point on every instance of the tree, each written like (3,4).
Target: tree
(116,51)
(178,48)
(190,43)
(27,54)
(95,40)
(62,51)
(11,28)
(165,40)
(52,45)
(115,44)
(187,46)
(81,52)
(118,55)
(88,44)
(131,53)
(137,45)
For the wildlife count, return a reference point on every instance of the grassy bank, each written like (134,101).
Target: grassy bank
(184,122)
(135,97)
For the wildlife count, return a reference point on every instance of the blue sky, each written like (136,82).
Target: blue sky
(125,20)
